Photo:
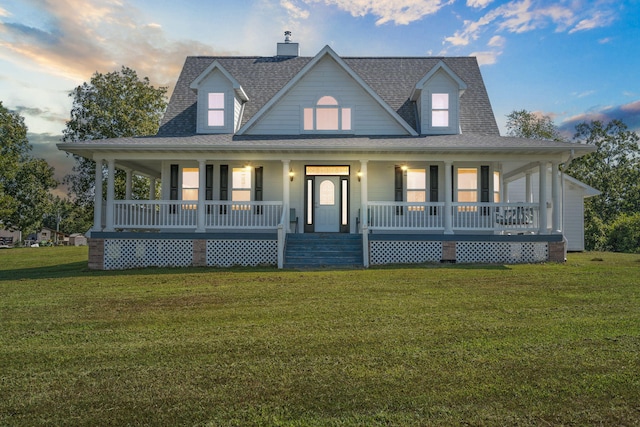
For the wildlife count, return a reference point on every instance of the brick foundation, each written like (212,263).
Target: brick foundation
(199,253)
(96,254)
(556,252)
(448,252)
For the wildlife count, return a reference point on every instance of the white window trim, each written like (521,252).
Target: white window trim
(203,112)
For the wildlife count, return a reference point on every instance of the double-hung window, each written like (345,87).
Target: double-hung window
(440,110)
(467,188)
(241,186)
(416,187)
(215,109)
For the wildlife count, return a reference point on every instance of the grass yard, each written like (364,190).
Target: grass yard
(523,345)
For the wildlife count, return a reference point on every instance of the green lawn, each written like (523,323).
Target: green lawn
(553,344)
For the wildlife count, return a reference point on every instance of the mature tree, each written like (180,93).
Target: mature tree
(112,105)
(614,169)
(67,217)
(525,124)
(24,181)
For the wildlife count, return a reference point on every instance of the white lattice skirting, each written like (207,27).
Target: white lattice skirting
(501,252)
(405,252)
(408,252)
(120,254)
(227,253)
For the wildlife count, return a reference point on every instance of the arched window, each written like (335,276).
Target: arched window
(327,115)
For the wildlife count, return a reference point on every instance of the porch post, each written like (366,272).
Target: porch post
(542,201)
(152,188)
(127,194)
(110,194)
(528,188)
(555,195)
(364,194)
(448,197)
(286,199)
(97,204)
(202,184)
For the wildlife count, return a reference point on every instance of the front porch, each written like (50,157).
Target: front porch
(224,234)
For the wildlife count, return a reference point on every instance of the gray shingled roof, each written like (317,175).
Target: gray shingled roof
(393,79)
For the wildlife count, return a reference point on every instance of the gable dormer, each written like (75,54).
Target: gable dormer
(437,96)
(220,100)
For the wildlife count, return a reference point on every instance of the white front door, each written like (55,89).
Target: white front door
(327,204)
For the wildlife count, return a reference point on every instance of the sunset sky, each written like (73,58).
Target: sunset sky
(573,60)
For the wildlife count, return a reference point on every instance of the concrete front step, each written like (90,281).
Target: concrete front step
(323,250)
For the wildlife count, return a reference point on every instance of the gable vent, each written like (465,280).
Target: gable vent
(287,48)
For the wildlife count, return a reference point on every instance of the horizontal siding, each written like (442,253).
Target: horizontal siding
(327,78)
(574,218)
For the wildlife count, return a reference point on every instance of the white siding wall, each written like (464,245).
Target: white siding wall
(327,78)
(574,217)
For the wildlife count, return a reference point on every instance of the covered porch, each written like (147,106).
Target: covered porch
(384,225)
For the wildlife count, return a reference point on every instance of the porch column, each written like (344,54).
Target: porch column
(110,194)
(97,204)
(542,202)
(127,191)
(286,199)
(528,188)
(152,188)
(202,184)
(555,196)
(448,197)
(364,194)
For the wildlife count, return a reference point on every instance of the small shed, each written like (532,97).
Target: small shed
(77,239)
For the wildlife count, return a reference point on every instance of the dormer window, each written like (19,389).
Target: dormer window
(215,115)
(327,115)
(440,110)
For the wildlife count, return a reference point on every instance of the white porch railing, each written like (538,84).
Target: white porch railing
(172,214)
(465,216)
(495,216)
(405,216)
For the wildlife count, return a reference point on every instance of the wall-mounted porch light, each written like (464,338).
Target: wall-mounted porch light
(359,176)
(291,175)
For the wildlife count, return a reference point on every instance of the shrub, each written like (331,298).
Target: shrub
(624,234)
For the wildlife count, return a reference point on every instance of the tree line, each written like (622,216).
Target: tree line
(120,104)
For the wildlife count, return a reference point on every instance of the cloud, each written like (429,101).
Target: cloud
(583,94)
(400,12)
(628,113)
(599,19)
(497,41)
(293,10)
(486,57)
(81,37)
(520,16)
(44,114)
(480,4)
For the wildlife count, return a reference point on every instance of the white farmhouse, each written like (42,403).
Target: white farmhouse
(325,160)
